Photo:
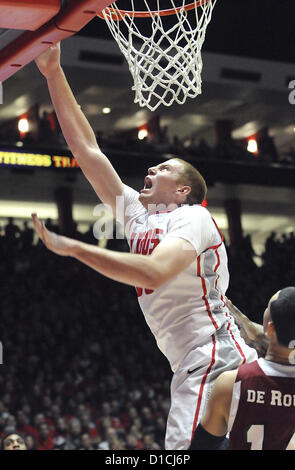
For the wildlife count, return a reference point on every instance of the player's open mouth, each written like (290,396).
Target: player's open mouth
(147,184)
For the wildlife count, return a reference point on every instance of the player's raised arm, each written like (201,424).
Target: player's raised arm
(77,130)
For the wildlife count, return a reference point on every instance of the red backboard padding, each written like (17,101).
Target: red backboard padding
(31,44)
(27,14)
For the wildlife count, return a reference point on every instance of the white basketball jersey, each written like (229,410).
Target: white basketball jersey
(184,312)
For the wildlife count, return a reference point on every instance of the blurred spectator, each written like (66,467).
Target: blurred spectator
(30,442)
(45,439)
(10,424)
(87,425)
(149,443)
(26,236)
(132,443)
(61,427)
(23,425)
(148,421)
(73,438)
(85,442)
(116,444)
(108,434)
(59,443)
(11,232)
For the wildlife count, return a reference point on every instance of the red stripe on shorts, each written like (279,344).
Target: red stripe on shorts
(203,385)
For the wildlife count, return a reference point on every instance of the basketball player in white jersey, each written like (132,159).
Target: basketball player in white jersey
(178,261)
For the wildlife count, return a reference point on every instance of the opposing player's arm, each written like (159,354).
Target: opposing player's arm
(253,333)
(215,418)
(211,432)
(77,130)
(168,259)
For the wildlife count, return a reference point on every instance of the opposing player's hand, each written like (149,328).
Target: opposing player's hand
(59,244)
(49,61)
(252,332)
(236,313)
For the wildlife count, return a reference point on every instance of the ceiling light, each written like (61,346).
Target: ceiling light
(23,125)
(106,110)
(142,134)
(252,146)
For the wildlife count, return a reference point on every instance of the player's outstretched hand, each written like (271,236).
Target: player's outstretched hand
(59,244)
(49,61)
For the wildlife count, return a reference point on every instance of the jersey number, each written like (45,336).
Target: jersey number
(146,243)
(255,436)
(140,290)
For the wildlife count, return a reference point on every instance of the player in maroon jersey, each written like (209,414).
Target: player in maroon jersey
(256,403)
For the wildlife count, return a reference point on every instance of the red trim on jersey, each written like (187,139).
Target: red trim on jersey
(216,267)
(203,385)
(215,247)
(205,293)
(236,343)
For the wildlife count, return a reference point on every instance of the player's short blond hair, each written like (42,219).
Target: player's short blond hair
(193,178)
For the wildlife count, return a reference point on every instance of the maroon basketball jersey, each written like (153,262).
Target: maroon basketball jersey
(262,414)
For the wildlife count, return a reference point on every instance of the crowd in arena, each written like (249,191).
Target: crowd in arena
(81,369)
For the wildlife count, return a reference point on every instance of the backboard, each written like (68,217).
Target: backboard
(28,27)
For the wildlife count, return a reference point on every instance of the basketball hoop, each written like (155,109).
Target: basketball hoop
(162,47)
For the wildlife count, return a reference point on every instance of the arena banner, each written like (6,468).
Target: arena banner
(21,158)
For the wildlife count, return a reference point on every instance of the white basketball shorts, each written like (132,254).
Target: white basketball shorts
(192,382)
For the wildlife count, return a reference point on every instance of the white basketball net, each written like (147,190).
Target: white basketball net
(165,62)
